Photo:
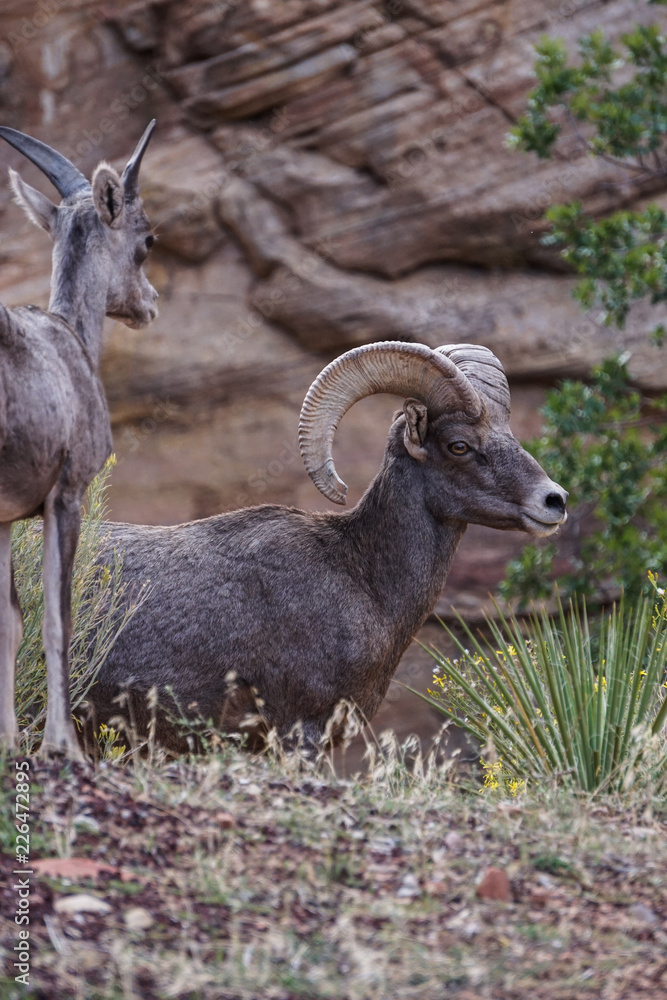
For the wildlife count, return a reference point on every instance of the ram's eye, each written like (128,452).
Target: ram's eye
(150,240)
(458,447)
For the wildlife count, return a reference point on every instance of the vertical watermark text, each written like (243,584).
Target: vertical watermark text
(23,872)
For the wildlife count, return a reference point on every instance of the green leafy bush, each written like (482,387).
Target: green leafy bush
(572,700)
(600,440)
(620,258)
(98,605)
(626,121)
(623,257)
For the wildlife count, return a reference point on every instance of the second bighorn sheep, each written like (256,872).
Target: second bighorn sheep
(54,426)
(307,609)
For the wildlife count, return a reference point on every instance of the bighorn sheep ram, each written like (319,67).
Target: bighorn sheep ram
(54,425)
(306,609)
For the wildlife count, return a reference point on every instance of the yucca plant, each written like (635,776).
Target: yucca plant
(564,697)
(99,606)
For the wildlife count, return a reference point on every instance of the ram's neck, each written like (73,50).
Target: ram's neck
(402,553)
(79,283)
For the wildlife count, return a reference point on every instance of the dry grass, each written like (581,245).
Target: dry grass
(100,610)
(265,878)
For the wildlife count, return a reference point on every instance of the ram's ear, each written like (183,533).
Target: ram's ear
(108,195)
(36,205)
(416,423)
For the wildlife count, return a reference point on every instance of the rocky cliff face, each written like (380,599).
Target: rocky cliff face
(325,173)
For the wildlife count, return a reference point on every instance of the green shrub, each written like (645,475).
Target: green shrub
(567,699)
(98,606)
(619,259)
(601,440)
(610,451)
(618,93)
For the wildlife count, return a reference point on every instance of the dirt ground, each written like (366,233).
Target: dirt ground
(238,877)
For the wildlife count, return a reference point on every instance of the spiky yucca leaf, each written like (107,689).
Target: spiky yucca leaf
(564,697)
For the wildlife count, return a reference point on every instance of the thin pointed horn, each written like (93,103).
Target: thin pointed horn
(131,172)
(391,366)
(64,176)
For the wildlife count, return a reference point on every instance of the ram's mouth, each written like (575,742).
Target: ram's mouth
(134,322)
(542,529)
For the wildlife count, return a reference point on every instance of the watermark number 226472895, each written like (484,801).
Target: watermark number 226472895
(22,869)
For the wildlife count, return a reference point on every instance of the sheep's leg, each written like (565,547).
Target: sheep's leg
(305,737)
(11,630)
(62,520)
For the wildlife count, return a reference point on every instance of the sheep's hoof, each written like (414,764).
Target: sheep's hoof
(64,745)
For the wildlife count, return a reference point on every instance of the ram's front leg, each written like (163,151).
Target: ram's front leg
(62,520)
(11,629)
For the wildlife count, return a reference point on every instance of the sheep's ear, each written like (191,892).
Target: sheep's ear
(416,422)
(108,195)
(36,205)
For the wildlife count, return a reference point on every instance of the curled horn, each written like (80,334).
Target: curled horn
(131,173)
(486,373)
(64,176)
(391,366)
